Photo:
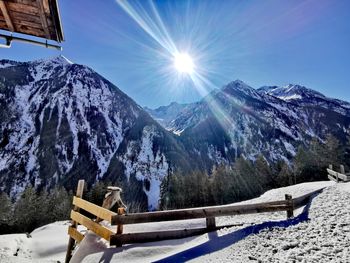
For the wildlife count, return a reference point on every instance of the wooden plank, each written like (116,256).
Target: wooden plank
(331,172)
(155,236)
(46,7)
(290,210)
(334,174)
(43,18)
(24,2)
(210,221)
(22,8)
(93,209)
(80,190)
(330,177)
(343,177)
(201,212)
(342,169)
(121,211)
(30,31)
(304,199)
(71,241)
(75,234)
(33,25)
(3,25)
(91,225)
(6,15)
(19,16)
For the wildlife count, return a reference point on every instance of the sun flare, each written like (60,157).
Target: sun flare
(183,63)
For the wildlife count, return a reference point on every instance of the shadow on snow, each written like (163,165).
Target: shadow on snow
(216,243)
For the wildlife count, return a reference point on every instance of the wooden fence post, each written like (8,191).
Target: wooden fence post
(210,223)
(290,208)
(121,211)
(71,242)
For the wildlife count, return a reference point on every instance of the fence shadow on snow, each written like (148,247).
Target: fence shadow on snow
(216,243)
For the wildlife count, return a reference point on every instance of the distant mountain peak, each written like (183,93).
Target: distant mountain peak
(62,60)
(290,92)
(238,83)
(240,86)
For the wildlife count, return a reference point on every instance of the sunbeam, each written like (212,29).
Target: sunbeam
(184,63)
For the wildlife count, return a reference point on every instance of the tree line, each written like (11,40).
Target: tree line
(33,209)
(246,179)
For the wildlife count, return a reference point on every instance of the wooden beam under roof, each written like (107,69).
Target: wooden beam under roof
(6,15)
(43,18)
(38,18)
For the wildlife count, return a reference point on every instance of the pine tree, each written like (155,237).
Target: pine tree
(285,175)
(26,210)
(264,172)
(5,209)
(333,152)
(60,204)
(248,182)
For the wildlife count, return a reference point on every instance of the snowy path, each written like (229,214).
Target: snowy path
(323,238)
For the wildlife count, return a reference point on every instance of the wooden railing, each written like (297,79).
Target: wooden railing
(119,238)
(91,224)
(210,213)
(338,176)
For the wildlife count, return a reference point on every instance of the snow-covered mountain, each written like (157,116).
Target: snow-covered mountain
(62,121)
(273,121)
(304,96)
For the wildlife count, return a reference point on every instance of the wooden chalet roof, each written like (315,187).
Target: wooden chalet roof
(38,18)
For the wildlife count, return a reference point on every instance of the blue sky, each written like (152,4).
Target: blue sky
(268,42)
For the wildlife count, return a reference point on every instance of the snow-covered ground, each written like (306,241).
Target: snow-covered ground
(320,232)
(45,244)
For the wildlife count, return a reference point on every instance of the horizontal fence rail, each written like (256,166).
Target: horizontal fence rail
(93,209)
(338,176)
(119,240)
(201,212)
(210,213)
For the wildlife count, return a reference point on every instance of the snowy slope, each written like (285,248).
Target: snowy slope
(45,244)
(320,232)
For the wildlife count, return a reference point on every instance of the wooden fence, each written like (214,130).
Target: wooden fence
(91,224)
(119,238)
(338,176)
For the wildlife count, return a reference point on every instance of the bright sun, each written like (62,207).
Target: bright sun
(183,63)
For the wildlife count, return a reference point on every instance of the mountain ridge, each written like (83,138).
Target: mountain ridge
(61,122)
